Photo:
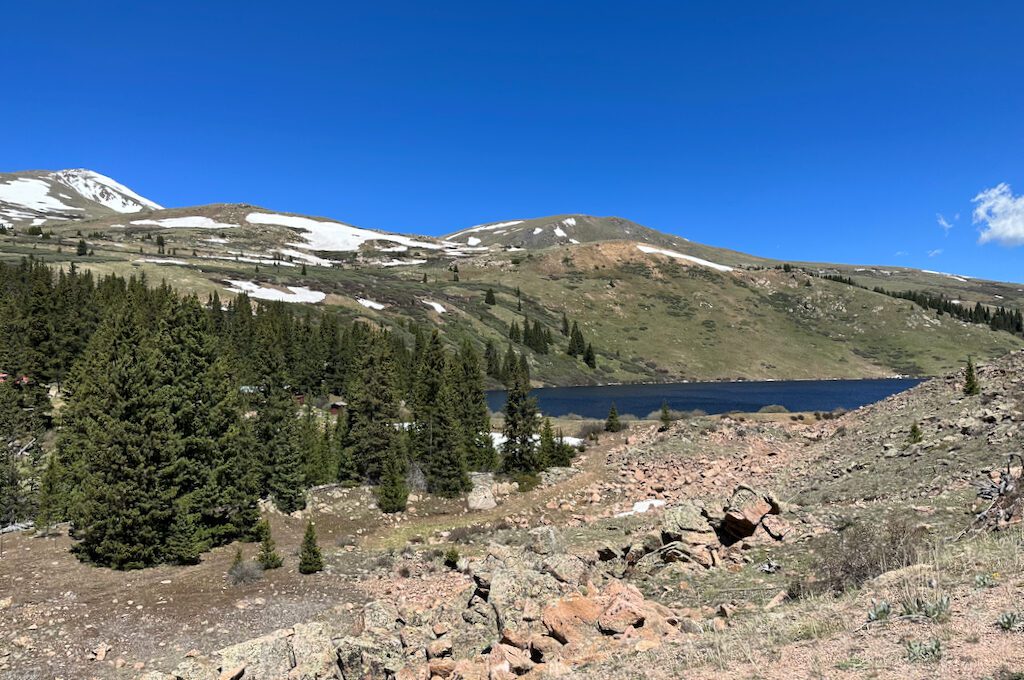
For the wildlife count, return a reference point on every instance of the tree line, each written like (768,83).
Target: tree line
(181,414)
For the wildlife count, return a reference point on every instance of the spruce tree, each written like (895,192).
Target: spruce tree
(489,297)
(472,412)
(915,436)
(282,456)
(519,451)
(971,386)
(183,542)
(565,325)
(613,424)
(373,411)
(310,558)
(49,508)
(392,493)
(347,473)
(267,556)
(666,416)
(589,358)
(82,249)
(547,451)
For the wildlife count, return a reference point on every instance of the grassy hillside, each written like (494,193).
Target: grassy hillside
(651,313)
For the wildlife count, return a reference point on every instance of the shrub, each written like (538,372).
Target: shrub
(451,558)
(936,610)
(527,481)
(1010,622)
(773,408)
(879,611)
(591,430)
(929,650)
(864,550)
(244,571)
(984,581)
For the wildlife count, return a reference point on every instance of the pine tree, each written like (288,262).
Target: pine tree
(666,416)
(577,345)
(492,360)
(267,556)
(282,456)
(49,508)
(613,424)
(565,325)
(310,558)
(547,452)
(82,249)
(471,409)
(392,493)
(519,450)
(183,543)
(341,452)
(489,297)
(373,411)
(971,386)
(589,358)
(915,434)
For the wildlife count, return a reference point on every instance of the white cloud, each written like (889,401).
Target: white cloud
(943,222)
(1001,215)
(935,253)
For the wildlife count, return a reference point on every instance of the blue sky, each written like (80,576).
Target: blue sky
(800,130)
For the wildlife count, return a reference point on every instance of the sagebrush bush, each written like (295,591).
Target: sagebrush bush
(864,550)
(244,572)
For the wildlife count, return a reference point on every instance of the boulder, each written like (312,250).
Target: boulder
(746,508)
(481,496)
(263,658)
(571,618)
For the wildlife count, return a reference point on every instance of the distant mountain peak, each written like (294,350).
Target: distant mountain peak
(35,197)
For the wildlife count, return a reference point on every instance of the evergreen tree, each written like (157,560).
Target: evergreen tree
(392,493)
(489,297)
(589,358)
(565,325)
(666,416)
(49,510)
(373,411)
(183,542)
(471,409)
(613,424)
(577,345)
(492,360)
(971,386)
(267,556)
(82,249)
(547,451)
(915,434)
(310,558)
(347,472)
(519,451)
(515,334)
(282,456)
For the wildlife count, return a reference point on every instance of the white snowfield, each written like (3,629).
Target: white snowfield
(473,241)
(395,262)
(574,241)
(487,227)
(305,257)
(370,304)
(559,232)
(215,239)
(436,305)
(537,230)
(569,221)
(332,236)
(189,222)
(957,277)
(296,294)
(250,259)
(157,260)
(394,249)
(104,190)
(680,256)
(499,438)
(640,507)
(31,193)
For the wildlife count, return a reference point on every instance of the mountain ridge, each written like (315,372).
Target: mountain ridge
(656,307)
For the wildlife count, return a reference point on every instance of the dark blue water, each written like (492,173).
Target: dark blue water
(713,397)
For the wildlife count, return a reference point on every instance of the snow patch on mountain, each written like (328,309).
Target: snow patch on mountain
(104,190)
(487,227)
(689,258)
(370,304)
(559,232)
(473,241)
(332,236)
(31,193)
(436,305)
(305,257)
(957,277)
(189,222)
(294,293)
(537,230)
(569,221)
(157,260)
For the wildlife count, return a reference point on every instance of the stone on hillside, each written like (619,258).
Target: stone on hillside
(379,615)
(747,507)
(263,658)
(370,656)
(546,541)
(481,496)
